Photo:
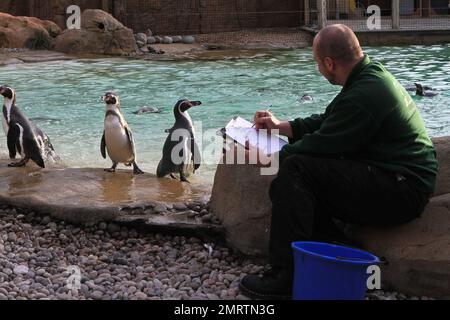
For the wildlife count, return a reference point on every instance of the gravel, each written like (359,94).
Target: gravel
(39,259)
(114,262)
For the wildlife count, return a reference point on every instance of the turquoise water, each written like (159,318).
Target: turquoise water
(64,97)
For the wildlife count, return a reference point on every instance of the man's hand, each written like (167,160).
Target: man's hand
(265,120)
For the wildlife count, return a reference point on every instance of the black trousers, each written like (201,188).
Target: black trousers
(311,192)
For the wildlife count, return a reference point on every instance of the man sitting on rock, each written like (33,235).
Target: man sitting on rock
(367,160)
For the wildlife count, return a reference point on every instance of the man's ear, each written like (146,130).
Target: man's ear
(329,63)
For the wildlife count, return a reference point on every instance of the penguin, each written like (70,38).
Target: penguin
(413,87)
(146,109)
(188,158)
(22,136)
(422,91)
(306,98)
(117,137)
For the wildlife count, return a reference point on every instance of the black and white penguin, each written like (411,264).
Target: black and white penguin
(181,156)
(423,91)
(117,136)
(23,137)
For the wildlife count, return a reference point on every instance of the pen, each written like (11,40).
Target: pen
(268,110)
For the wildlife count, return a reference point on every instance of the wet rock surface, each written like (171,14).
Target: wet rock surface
(91,195)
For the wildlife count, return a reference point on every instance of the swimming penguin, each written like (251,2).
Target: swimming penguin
(117,137)
(306,98)
(146,109)
(187,159)
(422,91)
(23,137)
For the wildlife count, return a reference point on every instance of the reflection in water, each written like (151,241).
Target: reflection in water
(117,186)
(22,178)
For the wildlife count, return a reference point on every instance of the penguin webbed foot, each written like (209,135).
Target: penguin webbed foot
(183,178)
(19,164)
(136,169)
(112,169)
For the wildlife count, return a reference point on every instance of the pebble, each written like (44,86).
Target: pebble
(121,263)
(188,40)
(177,39)
(167,40)
(141,37)
(160,208)
(151,40)
(113,227)
(21,270)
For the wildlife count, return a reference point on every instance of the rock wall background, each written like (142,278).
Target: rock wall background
(172,16)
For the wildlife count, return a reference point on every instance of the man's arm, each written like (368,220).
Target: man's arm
(302,126)
(344,131)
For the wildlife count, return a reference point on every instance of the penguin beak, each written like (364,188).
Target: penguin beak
(195,103)
(2,90)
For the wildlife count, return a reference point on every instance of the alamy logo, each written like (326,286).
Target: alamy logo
(74,280)
(74,20)
(374,280)
(374,21)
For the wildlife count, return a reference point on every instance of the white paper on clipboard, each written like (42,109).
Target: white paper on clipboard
(242,131)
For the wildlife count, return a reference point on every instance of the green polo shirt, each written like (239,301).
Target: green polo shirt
(373,120)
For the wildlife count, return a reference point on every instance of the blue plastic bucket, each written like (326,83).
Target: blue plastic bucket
(329,272)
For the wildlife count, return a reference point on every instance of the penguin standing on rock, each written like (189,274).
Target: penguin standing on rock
(22,136)
(181,153)
(117,137)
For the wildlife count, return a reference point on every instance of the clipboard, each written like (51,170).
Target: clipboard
(241,131)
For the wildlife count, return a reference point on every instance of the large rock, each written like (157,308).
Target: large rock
(240,200)
(418,252)
(26,32)
(100,33)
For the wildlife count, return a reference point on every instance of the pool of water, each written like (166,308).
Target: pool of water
(63,97)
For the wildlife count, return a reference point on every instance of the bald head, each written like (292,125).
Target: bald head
(338,42)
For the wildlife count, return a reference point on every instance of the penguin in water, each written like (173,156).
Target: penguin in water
(117,137)
(23,137)
(188,157)
(146,109)
(422,91)
(306,98)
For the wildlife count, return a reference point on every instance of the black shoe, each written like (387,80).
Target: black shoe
(275,284)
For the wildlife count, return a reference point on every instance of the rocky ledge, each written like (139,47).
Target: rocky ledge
(91,195)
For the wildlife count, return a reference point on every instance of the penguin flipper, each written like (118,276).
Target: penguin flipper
(130,140)
(196,155)
(103,146)
(13,136)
